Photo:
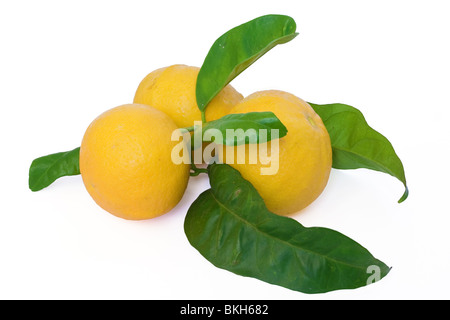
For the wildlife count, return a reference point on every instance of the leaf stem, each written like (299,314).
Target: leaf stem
(203,116)
(196,171)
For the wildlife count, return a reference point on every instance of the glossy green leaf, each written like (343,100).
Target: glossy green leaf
(231,227)
(356,145)
(45,170)
(252,127)
(237,49)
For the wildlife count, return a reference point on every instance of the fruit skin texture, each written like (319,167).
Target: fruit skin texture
(172,90)
(305,154)
(126,165)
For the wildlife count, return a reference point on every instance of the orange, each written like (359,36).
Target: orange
(126,166)
(172,90)
(304,154)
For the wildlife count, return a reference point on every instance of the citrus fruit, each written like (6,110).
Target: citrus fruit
(304,155)
(172,90)
(126,165)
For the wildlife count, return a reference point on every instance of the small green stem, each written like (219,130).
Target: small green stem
(196,171)
(203,116)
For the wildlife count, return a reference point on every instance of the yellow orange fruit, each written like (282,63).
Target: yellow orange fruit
(172,90)
(125,162)
(304,158)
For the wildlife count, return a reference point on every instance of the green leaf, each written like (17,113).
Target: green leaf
(231,227)
(356,145)
(45,170)
(246,127)
(237,49)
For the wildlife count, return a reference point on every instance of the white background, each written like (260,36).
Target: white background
(63,63)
